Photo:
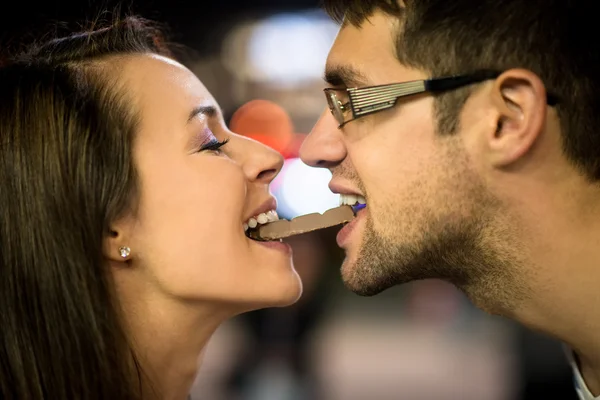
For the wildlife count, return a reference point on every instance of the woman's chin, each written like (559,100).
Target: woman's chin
(290,297)
(282,294)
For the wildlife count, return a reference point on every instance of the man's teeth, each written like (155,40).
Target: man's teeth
(351,199)
(261,219)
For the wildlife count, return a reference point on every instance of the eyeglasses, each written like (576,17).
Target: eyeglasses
(369,100)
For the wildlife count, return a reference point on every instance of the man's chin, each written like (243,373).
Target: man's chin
(359,279)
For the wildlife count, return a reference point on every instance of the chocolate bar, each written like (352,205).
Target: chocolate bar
(306,223)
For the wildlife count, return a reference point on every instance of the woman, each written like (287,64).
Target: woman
(123,202)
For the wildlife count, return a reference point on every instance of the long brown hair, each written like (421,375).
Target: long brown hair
(66,172)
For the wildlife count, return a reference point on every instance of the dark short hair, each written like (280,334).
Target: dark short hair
(66,173)
(555,39)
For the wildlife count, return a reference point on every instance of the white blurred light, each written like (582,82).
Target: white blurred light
(288,48)
(301,189)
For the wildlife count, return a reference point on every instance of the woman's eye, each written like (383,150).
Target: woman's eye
(213,145)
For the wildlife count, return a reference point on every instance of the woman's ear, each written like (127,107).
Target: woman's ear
(116,247)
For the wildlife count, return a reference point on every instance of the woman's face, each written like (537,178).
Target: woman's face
(187,238)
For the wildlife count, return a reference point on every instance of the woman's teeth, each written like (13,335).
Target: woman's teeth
(261,219)
(351,199)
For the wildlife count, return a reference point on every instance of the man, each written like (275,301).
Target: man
(478,160)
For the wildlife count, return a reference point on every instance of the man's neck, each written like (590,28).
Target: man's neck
(563,238)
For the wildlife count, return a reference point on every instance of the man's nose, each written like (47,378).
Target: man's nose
(324,146)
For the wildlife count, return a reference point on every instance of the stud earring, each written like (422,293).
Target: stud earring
(124,251)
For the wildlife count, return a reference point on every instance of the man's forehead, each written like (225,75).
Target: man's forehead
(376,36)
(377,29)
(360,53)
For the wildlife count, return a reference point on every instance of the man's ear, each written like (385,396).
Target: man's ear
(519,99)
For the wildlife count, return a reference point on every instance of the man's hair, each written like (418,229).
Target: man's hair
(555,39)
(67,128)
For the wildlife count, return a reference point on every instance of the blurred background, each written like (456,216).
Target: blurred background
(417,342)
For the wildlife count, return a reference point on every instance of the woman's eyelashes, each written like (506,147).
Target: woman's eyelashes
(213,145)
(208,142)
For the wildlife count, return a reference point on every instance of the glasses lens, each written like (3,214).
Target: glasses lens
(334,106)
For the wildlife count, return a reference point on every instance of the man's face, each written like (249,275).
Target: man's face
(427,214)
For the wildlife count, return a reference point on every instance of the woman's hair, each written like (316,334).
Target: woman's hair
(66,173)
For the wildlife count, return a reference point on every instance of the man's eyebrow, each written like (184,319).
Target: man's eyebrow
(209,111)
(344,75)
